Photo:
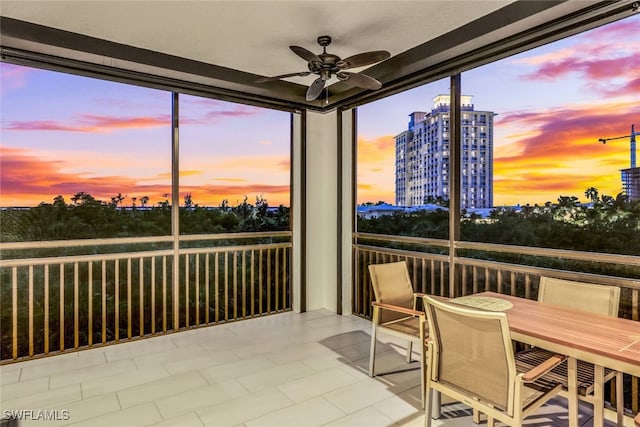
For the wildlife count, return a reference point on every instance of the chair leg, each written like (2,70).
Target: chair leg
(372,351)
(409,349)
(428,403)
(436,397)
(423,379)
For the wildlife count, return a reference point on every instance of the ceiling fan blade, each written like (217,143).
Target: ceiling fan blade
(359,80)
(362,59)
(315,89)
(305,54)
(282,76)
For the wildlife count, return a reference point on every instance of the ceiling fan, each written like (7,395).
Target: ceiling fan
(326,65)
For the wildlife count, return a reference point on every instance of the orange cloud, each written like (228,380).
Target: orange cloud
(376,169)
(250,163)
(183,173)
(377,149)
(229,179)
(562,154)
(190,172)
(285,164)
(90,123)
(212,195)
(27,180)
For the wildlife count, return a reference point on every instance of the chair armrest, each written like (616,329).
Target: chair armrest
(543,368)
(419,295)
(398,309)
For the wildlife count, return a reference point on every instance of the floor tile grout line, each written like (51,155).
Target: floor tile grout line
(198,417)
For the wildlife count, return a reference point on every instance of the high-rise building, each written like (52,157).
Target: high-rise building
(422,156)
(631,176)
(631,183)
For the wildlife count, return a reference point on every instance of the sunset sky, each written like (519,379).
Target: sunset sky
(553,103)
(62,134)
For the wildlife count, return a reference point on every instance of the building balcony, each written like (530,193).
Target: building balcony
(236,354)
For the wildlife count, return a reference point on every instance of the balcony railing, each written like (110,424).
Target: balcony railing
(51,304)
(428,264)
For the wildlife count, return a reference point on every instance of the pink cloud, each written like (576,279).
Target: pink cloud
(215,111)
(631,87)
(616,30)
(599,55)
(559,131)
(233,111)
(590,69)
(91,123)
(13,76)
(27,180)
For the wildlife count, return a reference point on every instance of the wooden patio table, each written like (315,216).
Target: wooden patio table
(605,341)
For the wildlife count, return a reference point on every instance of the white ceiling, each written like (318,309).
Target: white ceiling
(254,36)
(229,39)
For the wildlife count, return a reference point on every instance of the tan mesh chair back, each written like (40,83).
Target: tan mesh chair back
(597,299)
(392,285)
(473,352)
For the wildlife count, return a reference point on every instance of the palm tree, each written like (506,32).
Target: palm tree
(592,194)
(118,198)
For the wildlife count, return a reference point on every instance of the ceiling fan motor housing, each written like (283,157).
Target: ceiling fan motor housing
(324,41)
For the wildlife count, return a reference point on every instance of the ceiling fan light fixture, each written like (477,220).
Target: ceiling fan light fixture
(325,65)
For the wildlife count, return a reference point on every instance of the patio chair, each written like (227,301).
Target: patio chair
(597,299)
(471,360)
(394,310)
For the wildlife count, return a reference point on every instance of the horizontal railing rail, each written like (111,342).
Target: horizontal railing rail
(135,240)
(556,253)
(627,260)
(429,273)
(55,304)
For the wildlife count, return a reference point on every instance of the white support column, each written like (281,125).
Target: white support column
(348,139)
(296,213)
(321,224)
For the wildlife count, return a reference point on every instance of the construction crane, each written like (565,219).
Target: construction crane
(632,141)
(630,177)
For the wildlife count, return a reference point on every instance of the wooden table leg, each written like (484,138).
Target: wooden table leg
(598,396)
(572,372)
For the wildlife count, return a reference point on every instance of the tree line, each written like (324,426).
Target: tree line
(606,224)
(86,217)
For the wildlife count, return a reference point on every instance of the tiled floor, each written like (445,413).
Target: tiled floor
(284,370)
